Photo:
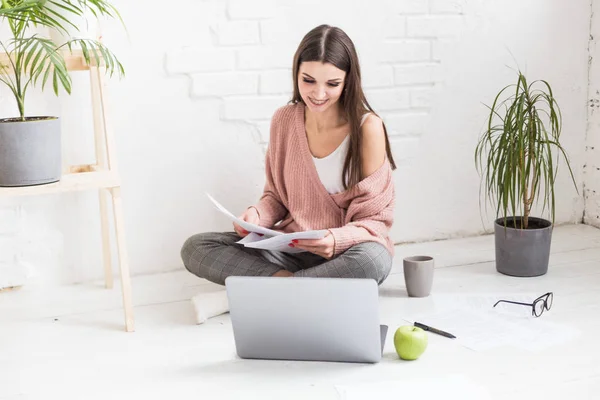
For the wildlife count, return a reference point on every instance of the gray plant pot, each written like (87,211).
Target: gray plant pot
(30,151)
(523,252)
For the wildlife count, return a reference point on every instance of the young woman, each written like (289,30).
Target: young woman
(328,166)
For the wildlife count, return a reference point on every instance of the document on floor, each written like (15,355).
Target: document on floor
(268,239)
(425,388)
(478,325)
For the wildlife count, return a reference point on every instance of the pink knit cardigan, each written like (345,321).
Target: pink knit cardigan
(295,197)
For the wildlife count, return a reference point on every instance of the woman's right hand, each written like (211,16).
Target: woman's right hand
(251,216)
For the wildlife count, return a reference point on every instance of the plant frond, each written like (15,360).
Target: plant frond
(514,156)
(96,51)
(41,58)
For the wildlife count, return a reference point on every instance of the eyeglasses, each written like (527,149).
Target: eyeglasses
(538,305)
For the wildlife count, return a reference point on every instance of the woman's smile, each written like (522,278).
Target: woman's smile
(316,102)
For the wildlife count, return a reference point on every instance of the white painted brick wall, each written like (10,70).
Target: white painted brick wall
(224,84)
(591,169)
(404,149)
(377,76)
(409,124)
(28,248)
(264,130)
(434,26)
(185,61)
(278,31)
(446,6)
(237,33)
(422,97)
(407,6)
(441,48)
(405,51)
(252,108)
(389,99)
(255,9)
(264,57)
(395,26)
(276,82)
(417,74)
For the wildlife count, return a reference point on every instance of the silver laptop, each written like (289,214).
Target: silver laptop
(310,319)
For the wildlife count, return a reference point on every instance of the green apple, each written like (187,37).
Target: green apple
(410,342)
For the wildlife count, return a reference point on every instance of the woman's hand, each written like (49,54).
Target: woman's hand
(322,247)
(251,216)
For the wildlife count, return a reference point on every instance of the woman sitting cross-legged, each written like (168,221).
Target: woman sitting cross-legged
(328,166)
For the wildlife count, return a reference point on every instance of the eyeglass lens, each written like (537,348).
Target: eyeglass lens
(538,307)
(549,300)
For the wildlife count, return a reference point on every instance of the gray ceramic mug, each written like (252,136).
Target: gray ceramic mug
(418,275)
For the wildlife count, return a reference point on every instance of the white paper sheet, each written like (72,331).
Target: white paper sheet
(246,225)
(472,329)
(252,237)
(479,326)
(434,388)
(281,243)
(270,239)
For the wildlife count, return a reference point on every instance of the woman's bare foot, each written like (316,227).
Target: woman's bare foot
(282,273)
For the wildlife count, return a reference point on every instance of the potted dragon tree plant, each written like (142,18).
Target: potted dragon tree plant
(517,157)
(30,146)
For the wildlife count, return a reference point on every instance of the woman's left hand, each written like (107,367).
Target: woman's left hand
(322,247)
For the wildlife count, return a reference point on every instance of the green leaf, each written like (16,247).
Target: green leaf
(93,49)
(67,6)
(58,20)
(41,57)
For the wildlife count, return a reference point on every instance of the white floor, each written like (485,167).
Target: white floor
(69,342)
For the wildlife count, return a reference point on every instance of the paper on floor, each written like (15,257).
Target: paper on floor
(436,387)
(479,326)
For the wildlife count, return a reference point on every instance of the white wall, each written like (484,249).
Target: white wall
(591,170)
(192,114)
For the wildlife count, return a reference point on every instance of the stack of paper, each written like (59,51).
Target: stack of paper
(268,239)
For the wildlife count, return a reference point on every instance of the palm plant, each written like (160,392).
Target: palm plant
(514,155)
(32,58)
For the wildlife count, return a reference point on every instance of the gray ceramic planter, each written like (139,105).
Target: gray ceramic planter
(30,151)
(523,252)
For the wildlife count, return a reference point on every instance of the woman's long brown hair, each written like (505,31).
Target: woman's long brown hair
(329,44)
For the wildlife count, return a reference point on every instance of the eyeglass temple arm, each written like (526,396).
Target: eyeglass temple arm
(512,302)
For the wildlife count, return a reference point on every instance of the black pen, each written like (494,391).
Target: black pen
(434,330)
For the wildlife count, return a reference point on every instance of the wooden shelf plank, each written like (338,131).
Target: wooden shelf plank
(74,60)
(68,183)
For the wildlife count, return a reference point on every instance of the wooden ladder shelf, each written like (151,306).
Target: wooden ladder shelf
(102,176)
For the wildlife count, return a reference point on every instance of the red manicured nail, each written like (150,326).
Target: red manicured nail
(295,241)
(291,245)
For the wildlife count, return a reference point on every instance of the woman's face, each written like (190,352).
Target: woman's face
(320,84)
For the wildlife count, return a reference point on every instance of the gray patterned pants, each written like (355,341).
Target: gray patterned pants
(215,256)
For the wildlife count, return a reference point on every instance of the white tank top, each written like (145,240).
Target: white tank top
(330,167)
